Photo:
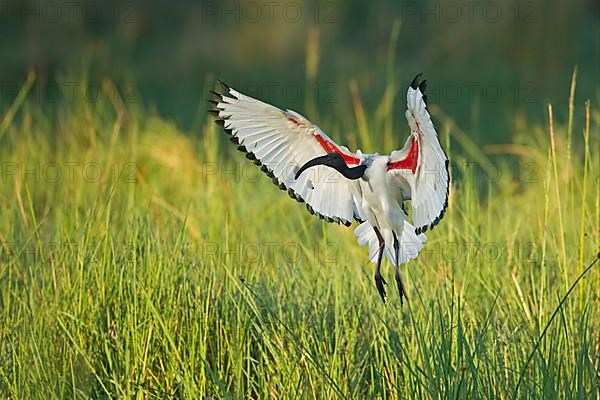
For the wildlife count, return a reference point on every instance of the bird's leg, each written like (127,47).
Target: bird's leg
(401,290)
(379,281)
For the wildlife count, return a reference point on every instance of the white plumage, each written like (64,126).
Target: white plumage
(341,186)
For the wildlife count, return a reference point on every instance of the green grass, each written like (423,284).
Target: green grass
(166,277)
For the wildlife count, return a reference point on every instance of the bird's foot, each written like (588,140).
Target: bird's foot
(379,282)
(401,289)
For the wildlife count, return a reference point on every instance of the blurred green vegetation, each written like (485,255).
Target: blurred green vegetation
(486,60)
(129,267)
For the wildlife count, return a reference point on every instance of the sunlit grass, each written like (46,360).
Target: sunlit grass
(180,272)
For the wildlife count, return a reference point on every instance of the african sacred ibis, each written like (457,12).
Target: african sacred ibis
(341,186)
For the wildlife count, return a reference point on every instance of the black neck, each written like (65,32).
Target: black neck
(352,173)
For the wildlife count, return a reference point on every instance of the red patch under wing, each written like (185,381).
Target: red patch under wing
(332,148)
(328,146)
(411,160)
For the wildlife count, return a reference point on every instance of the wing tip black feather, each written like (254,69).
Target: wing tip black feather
(216,94)
(415,82)
(224,85)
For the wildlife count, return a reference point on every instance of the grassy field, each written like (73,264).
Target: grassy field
(139,261)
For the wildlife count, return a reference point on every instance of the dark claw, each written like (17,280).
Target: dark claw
(379,282)
(423,86)
(401,289)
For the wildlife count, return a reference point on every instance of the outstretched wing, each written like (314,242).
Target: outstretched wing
(422,163)
(280,142)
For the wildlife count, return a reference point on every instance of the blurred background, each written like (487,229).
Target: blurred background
(489,63)
(142,256)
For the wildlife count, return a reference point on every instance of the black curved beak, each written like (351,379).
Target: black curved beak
(323,160)
(335,161)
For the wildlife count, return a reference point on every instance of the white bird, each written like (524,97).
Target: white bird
(340,186)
